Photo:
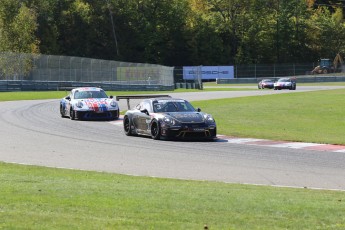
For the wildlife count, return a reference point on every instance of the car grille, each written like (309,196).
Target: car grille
(187,134)
(94,115)
(191,131)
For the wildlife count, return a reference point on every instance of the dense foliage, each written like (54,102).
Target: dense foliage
(176,32)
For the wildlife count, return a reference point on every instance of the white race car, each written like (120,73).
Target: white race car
(285,83)
(89,103)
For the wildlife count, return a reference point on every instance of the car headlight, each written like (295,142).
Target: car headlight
(169,121)
(79,104)
(209,119)
(113,104)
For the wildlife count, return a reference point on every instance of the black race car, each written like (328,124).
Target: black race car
(169,118)
(266,83)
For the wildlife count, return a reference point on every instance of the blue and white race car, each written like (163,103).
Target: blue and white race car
(89,103)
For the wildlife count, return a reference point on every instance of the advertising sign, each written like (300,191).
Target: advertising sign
(207,72)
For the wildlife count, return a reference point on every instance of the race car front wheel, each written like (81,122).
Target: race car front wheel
(62,111)
(117,114)
(71,114)
(155,130)
(127,126)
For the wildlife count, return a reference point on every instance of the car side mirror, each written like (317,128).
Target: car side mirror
(145,111)
(198,109)
(68,98)
(111,97)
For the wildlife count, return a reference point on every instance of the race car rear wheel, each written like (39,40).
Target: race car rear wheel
(155,130)
(127,126)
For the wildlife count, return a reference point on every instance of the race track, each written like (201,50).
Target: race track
(32,132)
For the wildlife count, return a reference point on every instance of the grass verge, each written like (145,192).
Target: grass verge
(41,95)
(45,198)
(307,117)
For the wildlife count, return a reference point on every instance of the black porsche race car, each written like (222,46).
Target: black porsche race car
(169,118)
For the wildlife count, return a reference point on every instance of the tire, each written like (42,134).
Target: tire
(72,114)
(62,111)
(115,115)
(118,114)
(127,126)
(155,130)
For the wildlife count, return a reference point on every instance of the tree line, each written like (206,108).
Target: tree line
(176,32)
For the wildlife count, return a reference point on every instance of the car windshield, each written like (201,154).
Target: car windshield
(164,106)
(90,94)
(283,80)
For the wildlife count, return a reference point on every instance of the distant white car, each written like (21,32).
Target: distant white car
(89,103)
(285,83)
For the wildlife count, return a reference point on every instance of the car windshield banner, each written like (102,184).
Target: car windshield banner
(207,72)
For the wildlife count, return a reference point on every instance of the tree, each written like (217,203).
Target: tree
(328,32)
(18,25)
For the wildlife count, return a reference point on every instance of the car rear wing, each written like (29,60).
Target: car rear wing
(128,97)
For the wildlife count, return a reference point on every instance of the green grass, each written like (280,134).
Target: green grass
(323,84)
(44,198)
(40,95)
(307,117)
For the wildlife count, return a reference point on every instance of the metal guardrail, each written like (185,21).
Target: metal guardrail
(309,79)
(29,85)
(26,85)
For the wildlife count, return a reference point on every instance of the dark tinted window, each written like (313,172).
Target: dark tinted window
(89,94)
(164,106)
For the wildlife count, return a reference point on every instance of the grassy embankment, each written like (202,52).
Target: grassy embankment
(307,116)
(39,95)
(43,198)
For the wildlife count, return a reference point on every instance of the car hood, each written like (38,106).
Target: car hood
(96,104)
(282,83)
(188,117)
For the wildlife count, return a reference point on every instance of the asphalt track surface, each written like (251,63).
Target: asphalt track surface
(32,132)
